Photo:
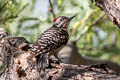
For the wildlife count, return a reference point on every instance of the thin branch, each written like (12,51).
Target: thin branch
(89,28)
(81,21)
(22,8)
(13,16)
(3,6)
(51,8)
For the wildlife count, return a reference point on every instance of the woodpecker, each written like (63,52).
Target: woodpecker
(51,41)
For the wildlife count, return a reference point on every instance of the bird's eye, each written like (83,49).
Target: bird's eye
(60,19)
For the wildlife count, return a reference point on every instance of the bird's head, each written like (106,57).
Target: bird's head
(62,21)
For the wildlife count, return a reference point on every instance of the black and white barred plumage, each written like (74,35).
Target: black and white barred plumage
(51,41)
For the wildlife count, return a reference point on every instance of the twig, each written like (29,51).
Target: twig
(14,15)
(22,8)
(52,9)
(3,6)
(89,28)
(81,21)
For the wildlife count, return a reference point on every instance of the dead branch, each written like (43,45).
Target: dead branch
(14,51)
(70,55)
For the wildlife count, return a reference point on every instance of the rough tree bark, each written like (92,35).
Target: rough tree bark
(14,52)
(111,8)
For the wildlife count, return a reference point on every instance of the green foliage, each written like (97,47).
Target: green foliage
(95,34)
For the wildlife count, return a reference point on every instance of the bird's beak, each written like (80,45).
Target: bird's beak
(71,17)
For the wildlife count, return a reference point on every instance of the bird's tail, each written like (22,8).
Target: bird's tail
(42,62)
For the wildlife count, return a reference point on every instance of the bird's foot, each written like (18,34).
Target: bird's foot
(54,61)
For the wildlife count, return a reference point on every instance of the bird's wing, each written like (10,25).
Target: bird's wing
(50,40)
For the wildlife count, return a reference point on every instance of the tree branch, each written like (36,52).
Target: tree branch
(90,26)
(111,8)
(3,6)
(15,52)
(52,9)
(13,16)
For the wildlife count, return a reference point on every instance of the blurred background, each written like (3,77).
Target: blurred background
(92,33)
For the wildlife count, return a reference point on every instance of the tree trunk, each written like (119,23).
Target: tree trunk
(111,8)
